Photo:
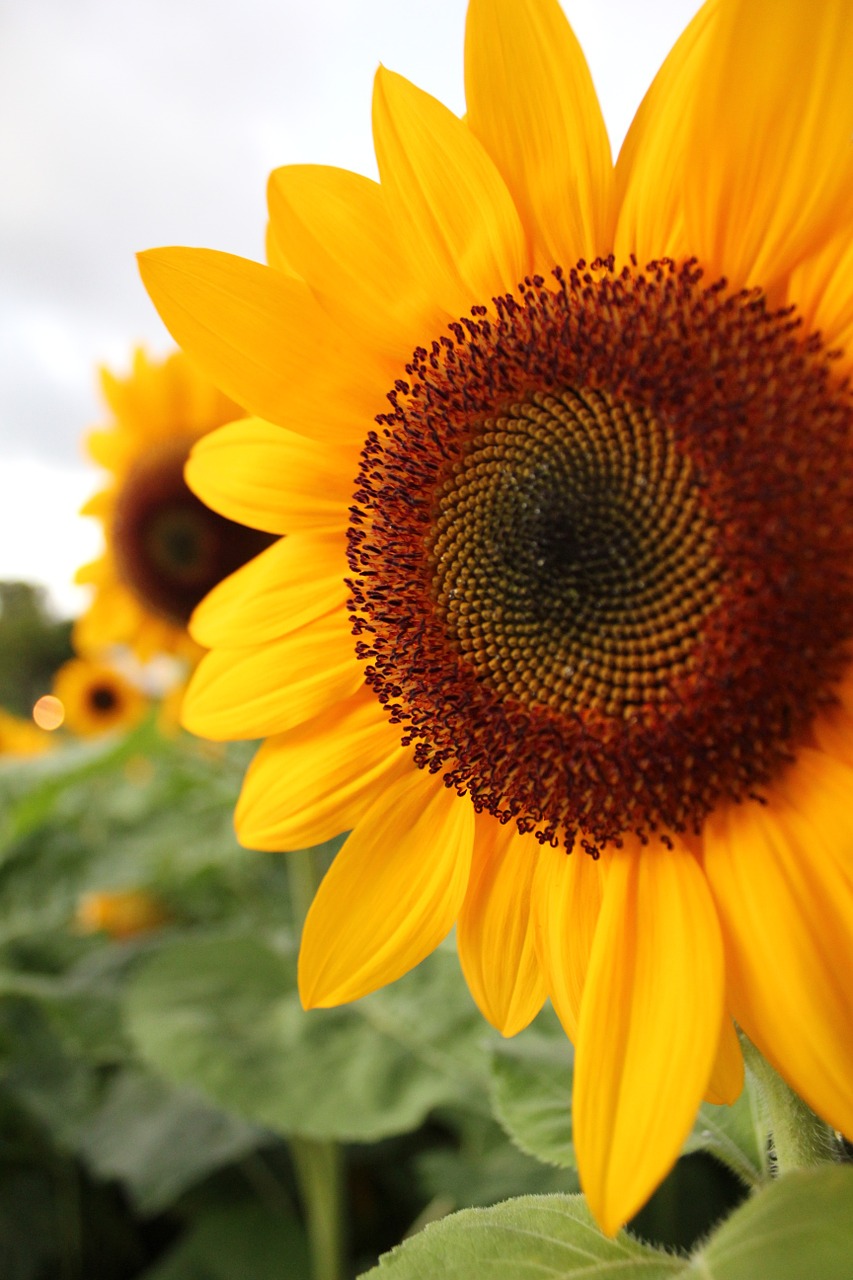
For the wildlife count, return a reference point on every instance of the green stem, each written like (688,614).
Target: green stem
(799,1138)
(319,1169)
(318,1164)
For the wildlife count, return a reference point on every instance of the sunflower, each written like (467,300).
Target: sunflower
(561,627)
(120,913)
(96,699)
(21,737)
(164,549)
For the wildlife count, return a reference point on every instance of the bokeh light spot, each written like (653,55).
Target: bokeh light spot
(48,712)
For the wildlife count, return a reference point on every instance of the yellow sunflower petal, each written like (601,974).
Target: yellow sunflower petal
(274,251)
(112,448)
(727,1075)
(112,616)
(454,217)
(270,478)
(782,875)
(820,289)
(495,930)
(317,780)
(297,579)
(768,170)
(649,1027)
(96,571)
(649,178)
(341,239)
(266,689)
(392,893)
(532,104)
(265,341)
(567,893)
(99,505)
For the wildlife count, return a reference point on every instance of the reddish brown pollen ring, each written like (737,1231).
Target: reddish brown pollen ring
(170,549)
(602,549)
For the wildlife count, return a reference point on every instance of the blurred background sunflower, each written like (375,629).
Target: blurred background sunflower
(95,698)
(164,550)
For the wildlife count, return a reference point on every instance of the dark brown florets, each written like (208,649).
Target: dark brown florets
(102,698)
(602,549)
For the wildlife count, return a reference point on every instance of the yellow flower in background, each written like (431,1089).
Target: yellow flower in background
(21,737)
(164,549)
(561,628)
(97,699)
(120,913)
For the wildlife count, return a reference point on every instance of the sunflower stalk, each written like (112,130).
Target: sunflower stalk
(318,1164)
(319,1171)
(799,1139)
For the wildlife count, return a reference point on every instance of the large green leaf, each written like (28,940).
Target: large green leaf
(224,1015)
(799,1228)
(532,1238)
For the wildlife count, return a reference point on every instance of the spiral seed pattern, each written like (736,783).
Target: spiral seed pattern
(602,550)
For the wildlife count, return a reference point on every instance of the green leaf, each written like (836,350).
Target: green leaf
(224,1015)
(464,1179)
(799,1228)
(731,1134)
(533,1238)
(246,1241)
(159,1140)
(532,1091)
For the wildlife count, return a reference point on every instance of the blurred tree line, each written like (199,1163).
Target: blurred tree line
(33,644)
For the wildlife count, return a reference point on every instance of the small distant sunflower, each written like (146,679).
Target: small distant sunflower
(21,737)
(562,627)
(96,699)
(164,548)
(120,913)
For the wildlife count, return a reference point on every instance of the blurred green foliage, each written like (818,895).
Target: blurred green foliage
(33,645)
(154,1090)
(150,1087)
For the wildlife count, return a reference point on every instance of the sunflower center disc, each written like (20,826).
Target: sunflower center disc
(602,549)
(171,549)
(573,560)
(102,698)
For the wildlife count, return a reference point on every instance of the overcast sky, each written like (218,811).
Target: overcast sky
(126,124)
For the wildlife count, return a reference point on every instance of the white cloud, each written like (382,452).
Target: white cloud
(42,537)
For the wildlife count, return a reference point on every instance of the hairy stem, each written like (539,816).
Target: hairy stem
(799,1138)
